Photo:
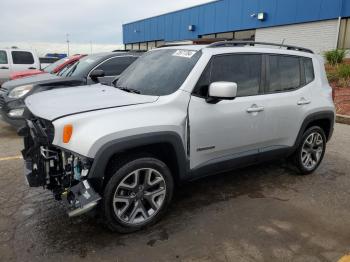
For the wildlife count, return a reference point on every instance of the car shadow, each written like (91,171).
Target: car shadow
(49,230)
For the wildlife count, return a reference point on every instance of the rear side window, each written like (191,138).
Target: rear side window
(116,65)
(284,73)
(309,70)
(3,57)
(22,58)
(243,69)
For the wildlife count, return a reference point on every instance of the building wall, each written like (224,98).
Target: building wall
(231,15)
(318,36)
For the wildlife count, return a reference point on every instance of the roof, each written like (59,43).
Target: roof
(258,48)
(183,47)
(231,15)
(112,54)
(17,49)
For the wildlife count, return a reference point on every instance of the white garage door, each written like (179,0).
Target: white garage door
(318,36)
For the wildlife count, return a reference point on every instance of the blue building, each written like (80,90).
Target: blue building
(317,24)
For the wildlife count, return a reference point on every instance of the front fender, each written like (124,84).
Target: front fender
(106,152)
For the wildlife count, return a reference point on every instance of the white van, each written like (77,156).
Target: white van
(13,60)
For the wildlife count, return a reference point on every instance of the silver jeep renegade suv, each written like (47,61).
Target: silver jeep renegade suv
(176,114)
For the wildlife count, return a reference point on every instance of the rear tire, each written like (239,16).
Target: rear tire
(311,150)
(137,195)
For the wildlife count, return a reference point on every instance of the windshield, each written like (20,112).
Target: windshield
(78,67)
(159,72)
(50,68)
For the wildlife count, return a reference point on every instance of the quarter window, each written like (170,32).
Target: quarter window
(22,58)
(243,69)
(116,65)
(284,73)
(3,58)
(309,70)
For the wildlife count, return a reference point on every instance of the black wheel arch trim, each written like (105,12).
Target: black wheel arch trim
(323,115)
(106,152)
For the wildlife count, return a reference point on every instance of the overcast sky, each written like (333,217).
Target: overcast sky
(99,21)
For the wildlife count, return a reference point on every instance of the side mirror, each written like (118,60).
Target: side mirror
(96,74)
(221,91)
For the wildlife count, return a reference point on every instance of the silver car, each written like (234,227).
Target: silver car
(176,114)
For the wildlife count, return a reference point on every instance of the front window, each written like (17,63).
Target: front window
(159,72)
(243,69)
(53,66)
(116,65)
(79,67)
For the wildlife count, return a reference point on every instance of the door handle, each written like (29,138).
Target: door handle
(303,101)
(31,68)
(255,109)
(4,67)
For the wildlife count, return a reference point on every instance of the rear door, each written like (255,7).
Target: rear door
(287,99)
(23,60)
(112,68)
(5,69)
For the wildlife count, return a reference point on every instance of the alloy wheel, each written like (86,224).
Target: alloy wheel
(139,196)
(312,150)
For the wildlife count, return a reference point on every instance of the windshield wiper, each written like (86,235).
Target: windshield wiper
(130,90)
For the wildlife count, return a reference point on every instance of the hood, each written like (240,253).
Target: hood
(36,79)
(57,103)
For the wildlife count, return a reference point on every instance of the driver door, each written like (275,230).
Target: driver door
(229,129)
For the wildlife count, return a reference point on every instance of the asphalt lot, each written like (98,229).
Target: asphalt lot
(262,213)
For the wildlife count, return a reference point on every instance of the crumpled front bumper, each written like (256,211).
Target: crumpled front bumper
(64,173)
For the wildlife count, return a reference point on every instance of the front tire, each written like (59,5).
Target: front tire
(311,150)
(137,195)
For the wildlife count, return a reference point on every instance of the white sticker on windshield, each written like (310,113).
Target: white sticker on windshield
(184,53)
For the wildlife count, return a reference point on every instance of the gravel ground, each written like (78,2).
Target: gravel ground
(262,213)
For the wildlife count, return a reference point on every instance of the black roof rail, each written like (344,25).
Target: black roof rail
(128,50)
(172,45)
(253,43)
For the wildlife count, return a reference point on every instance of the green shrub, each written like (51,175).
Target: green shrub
(335,56)
(344,71)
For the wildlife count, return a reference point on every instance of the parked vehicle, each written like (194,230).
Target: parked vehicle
(46,61)
(60,56)
(53,68)
(13,60)
(100,68)
(176,114)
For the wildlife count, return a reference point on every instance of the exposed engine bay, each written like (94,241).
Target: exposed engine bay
(52,168)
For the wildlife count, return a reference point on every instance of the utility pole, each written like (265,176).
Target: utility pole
(67,36)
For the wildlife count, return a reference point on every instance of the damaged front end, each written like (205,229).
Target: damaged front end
(62,172)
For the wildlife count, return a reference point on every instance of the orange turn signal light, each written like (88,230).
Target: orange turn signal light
(67,133)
